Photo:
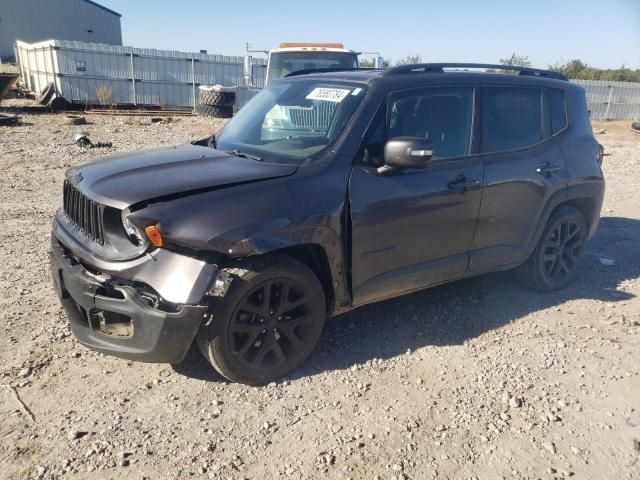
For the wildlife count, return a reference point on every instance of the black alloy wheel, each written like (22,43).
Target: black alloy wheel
(559,251)
(562,250)
(271,323)
(267,323)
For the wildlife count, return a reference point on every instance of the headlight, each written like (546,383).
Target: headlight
(135,234)
(273,123)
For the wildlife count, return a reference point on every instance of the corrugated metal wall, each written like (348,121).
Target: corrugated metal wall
(612,100)
(136,76)
(38,20)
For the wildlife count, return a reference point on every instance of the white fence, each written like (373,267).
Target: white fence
(612,100)
(85,73)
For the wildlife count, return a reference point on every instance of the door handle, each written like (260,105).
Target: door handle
(462,183)
(547,169)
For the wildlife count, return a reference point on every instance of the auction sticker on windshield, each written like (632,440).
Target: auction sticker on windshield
(328,94)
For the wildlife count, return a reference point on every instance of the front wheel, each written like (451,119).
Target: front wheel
(268,322)
(554,262)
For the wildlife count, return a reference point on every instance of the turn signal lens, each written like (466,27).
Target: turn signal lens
(154,235)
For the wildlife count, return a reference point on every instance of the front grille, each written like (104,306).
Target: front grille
(83,212)
(316,117)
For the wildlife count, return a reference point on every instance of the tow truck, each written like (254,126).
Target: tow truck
(292,57)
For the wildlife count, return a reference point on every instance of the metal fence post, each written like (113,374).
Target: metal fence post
(193,79)
(606,115)
(133,79)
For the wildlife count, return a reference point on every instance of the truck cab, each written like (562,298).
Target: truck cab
(293,57)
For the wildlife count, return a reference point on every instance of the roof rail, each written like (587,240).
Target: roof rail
(439,68)
(309,71)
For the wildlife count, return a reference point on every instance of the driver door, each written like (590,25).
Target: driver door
(412,228)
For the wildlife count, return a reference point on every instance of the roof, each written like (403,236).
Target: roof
(409,76)
(311,49)
(362,75)
(102,7)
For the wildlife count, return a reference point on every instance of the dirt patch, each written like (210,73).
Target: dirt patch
(476,379)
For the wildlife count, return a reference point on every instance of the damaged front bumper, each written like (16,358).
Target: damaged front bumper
(148,309)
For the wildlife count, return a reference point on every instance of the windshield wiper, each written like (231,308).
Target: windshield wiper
(238,153)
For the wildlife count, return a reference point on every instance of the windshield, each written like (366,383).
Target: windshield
(282,64)
(292,120)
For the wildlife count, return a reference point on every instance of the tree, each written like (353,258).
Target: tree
(410,59)
(371,63)
(513,61)
(516,61)
(577,69)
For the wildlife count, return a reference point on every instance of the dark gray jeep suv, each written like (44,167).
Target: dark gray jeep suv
(328,191)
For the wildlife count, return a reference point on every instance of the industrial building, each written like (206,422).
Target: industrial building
(37,20)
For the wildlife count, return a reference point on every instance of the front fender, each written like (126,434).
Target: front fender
(262,217)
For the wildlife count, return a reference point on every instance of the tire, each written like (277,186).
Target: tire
(554,262)
(635,125)
(74,120)
(215,112)
(46,94)
(60,104)
(7,119)
(253,342)
(217,99)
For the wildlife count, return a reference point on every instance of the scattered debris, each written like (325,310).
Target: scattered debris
(636,449)
(82,139)
(75,434)
(600,131)
(74,120)
(47,94)
(7,119)
(16,397)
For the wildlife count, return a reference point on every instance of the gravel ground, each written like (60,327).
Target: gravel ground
(479,379)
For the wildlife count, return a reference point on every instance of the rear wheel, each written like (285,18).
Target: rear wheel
(268,322)
(559,252)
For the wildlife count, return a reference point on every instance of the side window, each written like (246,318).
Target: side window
(512,118)
(442,115)
(557,110)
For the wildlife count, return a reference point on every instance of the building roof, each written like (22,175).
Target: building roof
(102,7)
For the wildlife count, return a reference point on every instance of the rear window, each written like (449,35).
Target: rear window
(512,118)
(557,110)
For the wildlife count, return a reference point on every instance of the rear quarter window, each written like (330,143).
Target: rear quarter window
(557,110)
(511,118)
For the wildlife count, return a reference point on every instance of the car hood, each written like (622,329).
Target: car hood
(126,179)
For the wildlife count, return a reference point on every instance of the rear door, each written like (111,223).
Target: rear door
(523,168)
(412,228)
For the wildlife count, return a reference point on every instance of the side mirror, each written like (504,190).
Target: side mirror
(408,152)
